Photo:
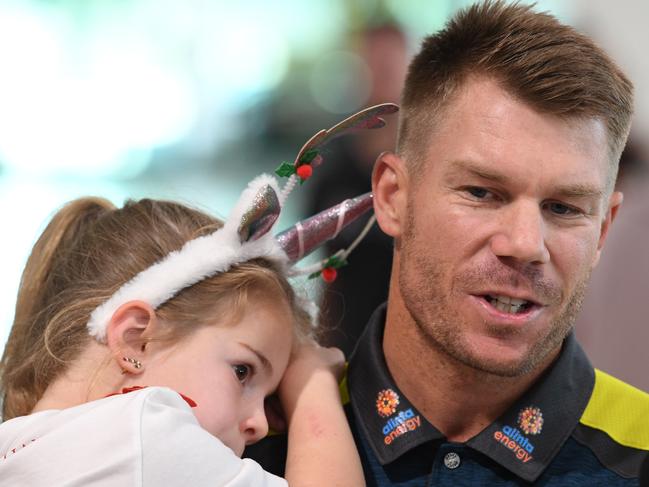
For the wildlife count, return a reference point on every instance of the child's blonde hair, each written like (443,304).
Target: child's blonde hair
(86,253)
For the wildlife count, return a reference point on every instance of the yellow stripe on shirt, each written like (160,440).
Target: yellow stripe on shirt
(619,410)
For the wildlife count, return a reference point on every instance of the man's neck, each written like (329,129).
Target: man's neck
(458,400)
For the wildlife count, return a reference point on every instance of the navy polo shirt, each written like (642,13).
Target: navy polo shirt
(575,427)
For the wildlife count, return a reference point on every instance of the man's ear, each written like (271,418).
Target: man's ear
(126,334)
(614,203)
(390,189)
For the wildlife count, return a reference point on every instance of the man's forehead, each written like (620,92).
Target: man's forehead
(486,119)
(475,96)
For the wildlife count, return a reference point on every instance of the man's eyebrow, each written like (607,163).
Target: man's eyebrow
(571,190)
(477,170)
(580,191)
(262,358)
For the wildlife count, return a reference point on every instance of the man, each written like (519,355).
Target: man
(499,199)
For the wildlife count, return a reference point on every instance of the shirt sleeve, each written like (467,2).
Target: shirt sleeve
(177,451)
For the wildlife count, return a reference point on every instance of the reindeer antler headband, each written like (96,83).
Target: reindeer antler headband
(246,233)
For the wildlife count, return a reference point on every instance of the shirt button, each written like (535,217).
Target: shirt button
(452,460)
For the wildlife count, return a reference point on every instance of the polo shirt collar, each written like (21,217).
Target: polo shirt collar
(388,420)
(524,440)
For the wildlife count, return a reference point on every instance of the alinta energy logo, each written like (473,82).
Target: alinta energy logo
(398,423)
(530,421)
(387,402)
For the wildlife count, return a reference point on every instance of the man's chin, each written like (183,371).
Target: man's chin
(499,367)
(496,357)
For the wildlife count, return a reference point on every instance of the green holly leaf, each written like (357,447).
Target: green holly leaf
(314,275)
(308,156)
(335,262)
(285,170)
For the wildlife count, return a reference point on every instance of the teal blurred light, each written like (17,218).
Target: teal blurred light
(90,92)
(341,82)
(83,103)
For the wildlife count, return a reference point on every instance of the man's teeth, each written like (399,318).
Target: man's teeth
(507,303)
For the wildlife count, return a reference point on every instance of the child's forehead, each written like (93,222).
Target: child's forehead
(263,319)
(232,308)
(261,332)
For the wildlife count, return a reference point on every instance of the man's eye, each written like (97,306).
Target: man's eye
(242,372)
(477,192)
(562,210)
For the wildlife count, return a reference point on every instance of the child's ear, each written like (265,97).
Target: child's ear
(126,332)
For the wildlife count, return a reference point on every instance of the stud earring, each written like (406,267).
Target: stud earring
(136,363)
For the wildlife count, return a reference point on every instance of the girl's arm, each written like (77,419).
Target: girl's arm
(321,449)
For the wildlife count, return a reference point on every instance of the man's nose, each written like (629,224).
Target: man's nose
(255,426)
(521,234)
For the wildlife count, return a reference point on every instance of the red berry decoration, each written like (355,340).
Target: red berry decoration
(304,171)
(329,274)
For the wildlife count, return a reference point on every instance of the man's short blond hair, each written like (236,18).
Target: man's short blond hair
(545,64)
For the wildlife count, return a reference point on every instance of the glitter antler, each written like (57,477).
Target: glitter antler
(310,155)
(304,237)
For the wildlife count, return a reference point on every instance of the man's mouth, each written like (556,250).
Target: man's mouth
(507,304)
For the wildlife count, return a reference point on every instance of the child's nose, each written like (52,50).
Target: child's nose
(255,427)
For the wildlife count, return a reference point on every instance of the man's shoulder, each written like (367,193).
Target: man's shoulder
(615,425)
(619,410)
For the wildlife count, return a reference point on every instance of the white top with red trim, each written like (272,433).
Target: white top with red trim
(147,438)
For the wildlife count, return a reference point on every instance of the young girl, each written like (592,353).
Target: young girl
(145,342)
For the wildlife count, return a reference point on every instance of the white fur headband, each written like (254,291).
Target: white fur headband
(244,236)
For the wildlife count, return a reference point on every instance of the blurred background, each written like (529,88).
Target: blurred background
(189,99)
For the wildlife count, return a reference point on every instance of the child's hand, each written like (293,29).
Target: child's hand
(313,370)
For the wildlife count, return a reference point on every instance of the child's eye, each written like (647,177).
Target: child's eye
(242,372)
